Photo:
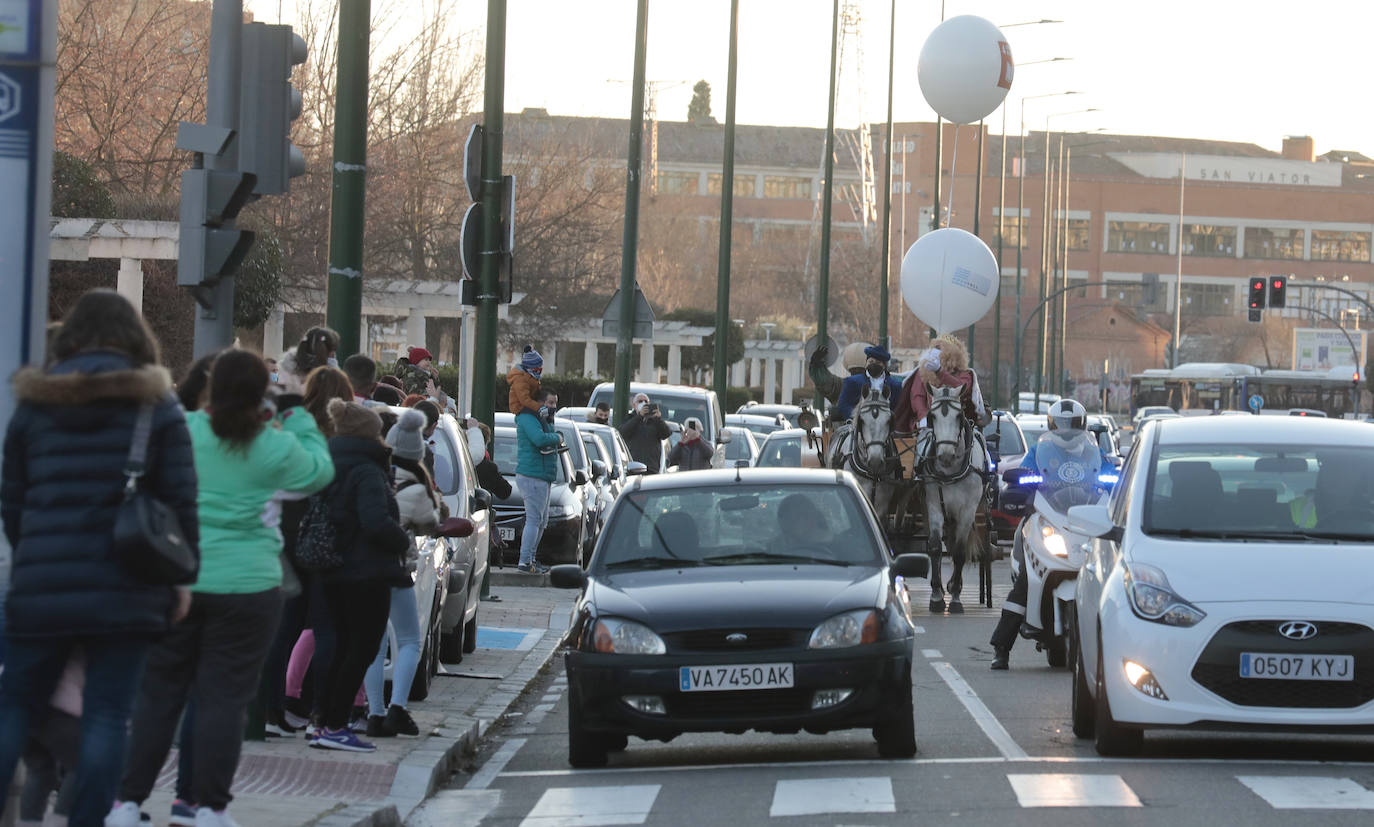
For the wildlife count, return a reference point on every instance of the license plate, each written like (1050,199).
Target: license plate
(735,677)
(506,533)
(1297,667)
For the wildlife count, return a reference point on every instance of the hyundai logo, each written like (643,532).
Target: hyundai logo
(1298,630)
(739,637)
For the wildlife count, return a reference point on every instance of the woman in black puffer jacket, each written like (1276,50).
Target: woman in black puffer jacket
(63,482)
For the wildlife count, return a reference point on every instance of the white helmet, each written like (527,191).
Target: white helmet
(1068,414)
(854,359)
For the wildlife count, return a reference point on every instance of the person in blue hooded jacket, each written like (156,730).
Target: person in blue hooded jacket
(875,371)
(536,469)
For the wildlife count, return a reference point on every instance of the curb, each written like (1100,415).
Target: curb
(426,768)
(506,578)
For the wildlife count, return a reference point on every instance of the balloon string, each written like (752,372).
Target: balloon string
(953,167)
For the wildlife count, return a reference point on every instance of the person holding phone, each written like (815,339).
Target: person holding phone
(644,431)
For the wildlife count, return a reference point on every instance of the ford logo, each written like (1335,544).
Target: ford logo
(736,638)
(1298,630)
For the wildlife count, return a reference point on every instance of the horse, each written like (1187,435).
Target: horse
(953,485)
(864,448)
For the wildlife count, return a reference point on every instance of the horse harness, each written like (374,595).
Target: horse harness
(926,468)
(858,455)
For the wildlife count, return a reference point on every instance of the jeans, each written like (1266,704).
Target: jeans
(405,622)
(53,753)
(113,669)
(359,608)
(536,495)
(213,657)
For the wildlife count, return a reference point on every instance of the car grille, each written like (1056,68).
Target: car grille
(757,703)
(714,640)
(1217,669)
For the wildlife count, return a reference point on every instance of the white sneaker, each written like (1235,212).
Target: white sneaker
(206,817)
(125,814)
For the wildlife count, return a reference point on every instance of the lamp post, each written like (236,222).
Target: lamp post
(1062,333)
(1020,234)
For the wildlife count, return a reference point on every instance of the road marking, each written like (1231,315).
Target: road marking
(1071,790)
(592,806)
(813,796)
(931,653)
(1301,792)
(455,808)
(920,630)
(982,716)
(483,777)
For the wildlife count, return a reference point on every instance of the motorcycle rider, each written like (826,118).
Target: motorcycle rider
(1066,456)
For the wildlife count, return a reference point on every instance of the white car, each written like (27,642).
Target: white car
(1229,584)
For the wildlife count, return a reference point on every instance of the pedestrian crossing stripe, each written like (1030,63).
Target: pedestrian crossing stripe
(1071,790)
(1302,792)
(592,806)
(814,796)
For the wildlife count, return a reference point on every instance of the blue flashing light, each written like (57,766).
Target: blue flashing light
(1109,479)
(1030,479)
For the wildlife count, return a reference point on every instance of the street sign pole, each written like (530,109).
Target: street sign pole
(624,340)
(719,379)
(488,294)
(884,287)
(827,196)
(345,304)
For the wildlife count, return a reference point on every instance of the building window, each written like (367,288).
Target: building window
(677,183)
(1207,299)
(1339,245)
(1013,230)
(1077,234)
(744,185)
(784,186)
(1132,294)
(1137,237)
(1209,240)
(898,185)
(1264,242)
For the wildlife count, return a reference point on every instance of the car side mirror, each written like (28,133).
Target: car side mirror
(481,499)
(598,469)
(456,527)
(636,469)
(911,565)
(1093,520)
(579,478)
(570,576)
(741,463)
(725,437)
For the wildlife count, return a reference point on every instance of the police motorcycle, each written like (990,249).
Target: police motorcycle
(1067,469)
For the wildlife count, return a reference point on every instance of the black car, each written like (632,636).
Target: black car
(731,600)
(564,535)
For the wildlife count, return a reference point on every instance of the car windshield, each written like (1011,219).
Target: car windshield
(1009,436)
(573,439)
(784,452)
(1262,492)
(738,448)
(506,454)
(593,446)
(739,524)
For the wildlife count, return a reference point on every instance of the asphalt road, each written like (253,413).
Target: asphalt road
(994,748)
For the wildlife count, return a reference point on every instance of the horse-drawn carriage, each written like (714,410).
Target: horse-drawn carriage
(932,490)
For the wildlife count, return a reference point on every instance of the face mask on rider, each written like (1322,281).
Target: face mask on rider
(875,370)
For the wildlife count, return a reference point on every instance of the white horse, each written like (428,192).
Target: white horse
(953,488)
(864,448)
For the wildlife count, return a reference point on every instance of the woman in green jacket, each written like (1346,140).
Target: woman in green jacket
(248,457)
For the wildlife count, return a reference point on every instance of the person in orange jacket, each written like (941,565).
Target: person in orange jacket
(523,381)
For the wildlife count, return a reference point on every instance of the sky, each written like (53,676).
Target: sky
(1214,69)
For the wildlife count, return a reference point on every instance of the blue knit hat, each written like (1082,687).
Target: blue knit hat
(531,360)
(878,352)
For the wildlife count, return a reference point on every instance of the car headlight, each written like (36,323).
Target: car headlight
(613,636)
(1153,599)
(1054,541)
(560,512)
(848,629)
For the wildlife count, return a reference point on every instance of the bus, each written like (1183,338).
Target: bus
(1202,387)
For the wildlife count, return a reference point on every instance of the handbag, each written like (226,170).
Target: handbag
(148,538)
(317,539)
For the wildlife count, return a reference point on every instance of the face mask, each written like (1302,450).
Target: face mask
(332,362)
(273,377)
(875,370)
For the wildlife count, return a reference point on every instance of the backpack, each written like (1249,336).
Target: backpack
(317,538)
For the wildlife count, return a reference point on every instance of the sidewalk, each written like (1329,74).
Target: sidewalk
(284,783)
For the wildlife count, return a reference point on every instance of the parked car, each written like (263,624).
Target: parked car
(564,538)
(789,412)
(676,403)
(760,425)
(1227,583)
(703,611)
(1010,444)
(605,477)
(571,432)
(1149,410)
(743,447)
(791,448)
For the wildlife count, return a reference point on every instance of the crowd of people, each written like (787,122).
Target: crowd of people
(298,494)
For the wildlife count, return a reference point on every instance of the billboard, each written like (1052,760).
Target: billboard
(1325,348)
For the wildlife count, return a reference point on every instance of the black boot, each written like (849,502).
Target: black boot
(1003,637)
(1001,658)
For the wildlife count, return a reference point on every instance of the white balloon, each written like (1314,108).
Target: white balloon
(949,279)
(965,69)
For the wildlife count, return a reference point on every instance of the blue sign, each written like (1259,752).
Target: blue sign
(1256,402)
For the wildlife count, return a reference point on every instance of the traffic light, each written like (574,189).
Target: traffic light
(1278,286)
(268,104)
(1258,288)
(211,247)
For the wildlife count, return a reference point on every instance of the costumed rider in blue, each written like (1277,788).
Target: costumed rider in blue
(1067,456)
(874,375)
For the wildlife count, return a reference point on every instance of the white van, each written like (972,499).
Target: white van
(677,403)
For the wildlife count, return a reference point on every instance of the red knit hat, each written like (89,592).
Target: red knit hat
(418,355)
